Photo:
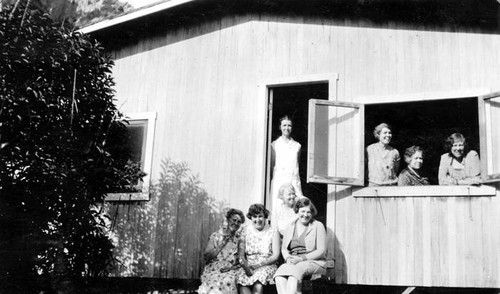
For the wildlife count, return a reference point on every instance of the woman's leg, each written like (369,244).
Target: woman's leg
(292,285)
(257,288)
(299,287)
(245,290)
(281,285)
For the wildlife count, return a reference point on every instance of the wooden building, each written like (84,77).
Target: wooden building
(208,79)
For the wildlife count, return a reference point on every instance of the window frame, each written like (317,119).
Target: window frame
(143,194)
(483,97)
(311,176)
(486,132)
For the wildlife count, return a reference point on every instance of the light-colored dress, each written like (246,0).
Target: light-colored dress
(258,246)
(309,240)
(383,165)
(212,280)
(282,217)
(286,168)
(451,170)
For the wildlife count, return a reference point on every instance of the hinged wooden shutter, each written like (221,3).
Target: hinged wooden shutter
(336,143)
(489,130)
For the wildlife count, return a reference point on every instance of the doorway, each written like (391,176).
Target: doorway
(294,102)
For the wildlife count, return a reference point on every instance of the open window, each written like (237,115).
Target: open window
(333,127)
(489,116)
(139,146)
(340,133)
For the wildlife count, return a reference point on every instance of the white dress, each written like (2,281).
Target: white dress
(286,168)
(282,217)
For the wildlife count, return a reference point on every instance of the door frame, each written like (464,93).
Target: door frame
(266,95)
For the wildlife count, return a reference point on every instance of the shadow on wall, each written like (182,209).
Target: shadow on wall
(165,236)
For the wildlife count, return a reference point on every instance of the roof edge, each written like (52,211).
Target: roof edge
(132,16)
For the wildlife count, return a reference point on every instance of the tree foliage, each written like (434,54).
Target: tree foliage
(75,13)
(56,114)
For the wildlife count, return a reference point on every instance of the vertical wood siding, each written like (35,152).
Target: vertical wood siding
(426,241)
(203,81)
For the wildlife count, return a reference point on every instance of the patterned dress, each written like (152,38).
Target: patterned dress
(212,280)
(258,247)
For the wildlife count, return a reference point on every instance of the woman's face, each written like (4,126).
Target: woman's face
(258,221)
(457,149)
(286,127)
(416,160)
(289,198)
(234,222)
(305,215)
(385,136)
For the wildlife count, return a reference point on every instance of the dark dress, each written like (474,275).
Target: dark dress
(408,177)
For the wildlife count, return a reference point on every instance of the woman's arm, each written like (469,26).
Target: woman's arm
(212,249)
(284,249)
(397,161)
(273,159)
(473,172)
(242,256)
(319,252)
(275,244)
(443,177)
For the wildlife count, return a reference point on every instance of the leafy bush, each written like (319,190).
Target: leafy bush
(56,113)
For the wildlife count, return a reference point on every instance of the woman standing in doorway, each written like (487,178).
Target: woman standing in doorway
(285,154)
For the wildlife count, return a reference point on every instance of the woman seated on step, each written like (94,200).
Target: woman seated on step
(259,250)
(221,257)
(303,249)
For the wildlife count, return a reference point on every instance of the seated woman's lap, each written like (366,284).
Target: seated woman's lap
(301,270)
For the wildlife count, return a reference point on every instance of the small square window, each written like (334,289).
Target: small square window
(139,146)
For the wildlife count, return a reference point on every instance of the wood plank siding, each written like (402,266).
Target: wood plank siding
(203,82)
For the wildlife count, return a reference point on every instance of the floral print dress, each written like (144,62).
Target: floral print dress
(258,247)
(213,281)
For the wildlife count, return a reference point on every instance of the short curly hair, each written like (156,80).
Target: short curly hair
(412,150)
(378,129)
(285,187)
(256,209)
(233,211)
(303,202)
(453,138)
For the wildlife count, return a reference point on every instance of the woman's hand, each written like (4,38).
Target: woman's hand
(225,269)
(255,266)
(294,259)
(212,254)
(248,271)
(469,181)
(229,268)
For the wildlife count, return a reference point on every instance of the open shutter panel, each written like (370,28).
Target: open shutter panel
(489,128)
(336,143)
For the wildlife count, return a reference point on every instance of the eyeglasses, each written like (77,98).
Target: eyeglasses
(236,220)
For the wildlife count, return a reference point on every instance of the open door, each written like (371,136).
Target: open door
(336,143)
(489,129)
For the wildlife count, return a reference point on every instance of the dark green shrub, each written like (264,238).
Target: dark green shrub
(56,111)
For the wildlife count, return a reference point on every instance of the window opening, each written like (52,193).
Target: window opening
(137,145)
(426,124)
